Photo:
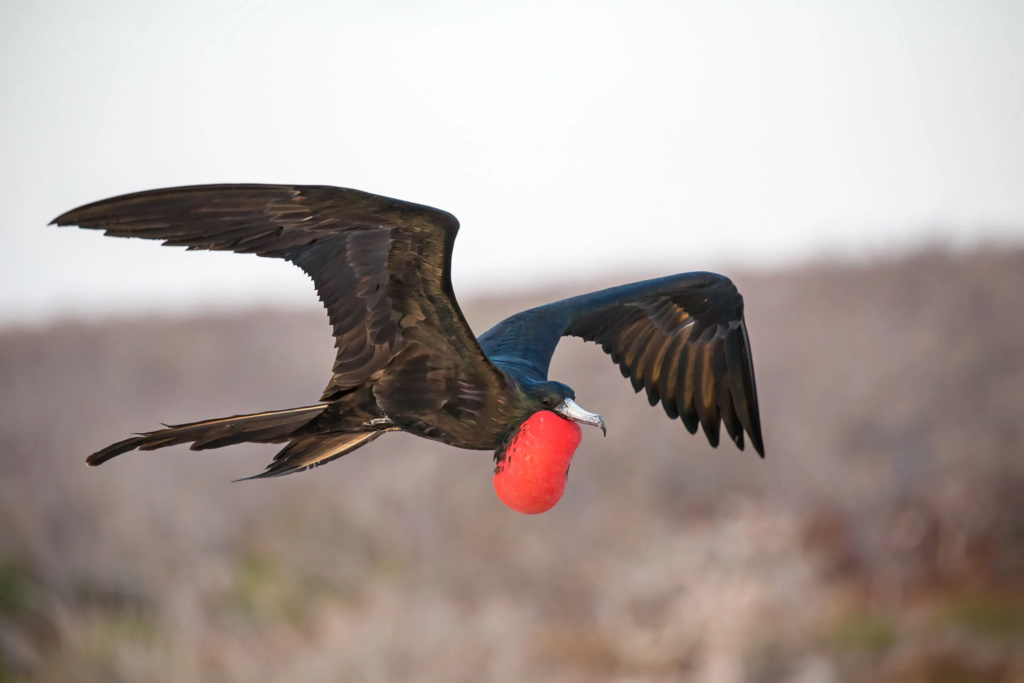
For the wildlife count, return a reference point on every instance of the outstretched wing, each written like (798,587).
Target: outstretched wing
(681,338)
(382,268)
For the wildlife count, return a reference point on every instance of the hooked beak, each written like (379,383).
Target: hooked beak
(570,411)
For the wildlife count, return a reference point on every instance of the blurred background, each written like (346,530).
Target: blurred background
(856,168)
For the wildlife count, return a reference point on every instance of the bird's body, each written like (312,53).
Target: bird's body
(407,359)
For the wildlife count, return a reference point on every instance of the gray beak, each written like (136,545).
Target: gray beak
(570,411)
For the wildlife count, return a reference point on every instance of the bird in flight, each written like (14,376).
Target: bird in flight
(407,359)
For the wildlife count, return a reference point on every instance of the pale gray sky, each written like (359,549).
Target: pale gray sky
(570,138)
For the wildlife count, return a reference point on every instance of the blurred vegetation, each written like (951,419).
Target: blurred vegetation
(881,540)
(989,615)
(867,632)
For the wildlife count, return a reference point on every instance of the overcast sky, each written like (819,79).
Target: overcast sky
(571,139)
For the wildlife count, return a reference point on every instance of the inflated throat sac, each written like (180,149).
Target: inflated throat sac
(531,478)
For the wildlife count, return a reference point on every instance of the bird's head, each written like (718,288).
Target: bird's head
(561,400)
(532,465)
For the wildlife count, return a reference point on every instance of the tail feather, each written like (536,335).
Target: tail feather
(312,451)
(270,427)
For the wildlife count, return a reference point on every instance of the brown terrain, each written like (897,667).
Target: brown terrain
(881,540)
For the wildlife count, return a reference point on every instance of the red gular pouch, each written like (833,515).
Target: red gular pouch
(531,477)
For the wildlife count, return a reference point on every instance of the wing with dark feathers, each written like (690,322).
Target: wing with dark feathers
(381,266)
(681,338)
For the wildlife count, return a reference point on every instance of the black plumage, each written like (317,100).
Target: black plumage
(406,357)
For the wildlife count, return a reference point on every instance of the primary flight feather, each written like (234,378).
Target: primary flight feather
(406,357)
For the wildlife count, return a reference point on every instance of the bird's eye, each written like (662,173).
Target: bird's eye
(545,401)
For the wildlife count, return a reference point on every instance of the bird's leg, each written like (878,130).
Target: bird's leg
(378,421)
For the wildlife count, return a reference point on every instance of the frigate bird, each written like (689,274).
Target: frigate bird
(406,357)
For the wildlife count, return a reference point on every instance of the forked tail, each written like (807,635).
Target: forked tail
(274,426)
(278,426)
